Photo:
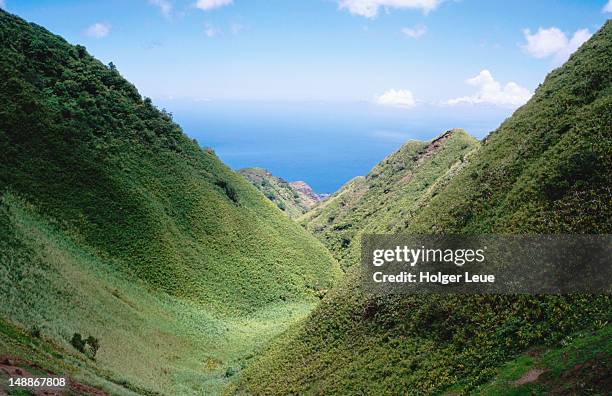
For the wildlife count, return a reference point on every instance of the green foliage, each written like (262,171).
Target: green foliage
(148,338)
(292,202)
(581,364)
(93,345)
(88,346)
(35,332)
(546,169)
(228,190)
(394,190)
(87,151)
(115,223)
(78,342)
(230,372)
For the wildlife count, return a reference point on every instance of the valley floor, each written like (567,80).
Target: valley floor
(206,369)
(150,342)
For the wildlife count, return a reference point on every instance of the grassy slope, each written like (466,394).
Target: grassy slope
(381,201)
(113,223)
(546,169)
(294,203)
(580,365)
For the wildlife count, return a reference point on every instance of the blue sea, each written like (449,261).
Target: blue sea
(323,144)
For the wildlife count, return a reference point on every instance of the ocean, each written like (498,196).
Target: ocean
(323,144)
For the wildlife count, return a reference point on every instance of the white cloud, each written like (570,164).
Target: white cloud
(98,30)
(553,43)
(210,4)
(2,4)
(544,43)
(608,7)
(370,8)
(165,6)
(211,30)
(415,32)
(397,98)
(492,92)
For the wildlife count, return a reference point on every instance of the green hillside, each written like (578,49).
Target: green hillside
(545,169)
(393,190)
(294,202)
(114,224)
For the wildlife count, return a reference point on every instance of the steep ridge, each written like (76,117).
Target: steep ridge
(544,170)
(381,201)
(294,198)
(114,224)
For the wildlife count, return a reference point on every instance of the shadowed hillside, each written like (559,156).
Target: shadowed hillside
(544,170)
(115,225)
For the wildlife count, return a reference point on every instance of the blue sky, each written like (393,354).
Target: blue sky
(418,62)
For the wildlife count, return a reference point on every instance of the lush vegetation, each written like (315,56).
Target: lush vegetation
(115,226)
(544,170)
(580,365)
(382,201)
(136,262)
(294,202)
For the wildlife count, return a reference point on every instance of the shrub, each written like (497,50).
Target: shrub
(35,332)
(88,346)
(93,345)
(230,372)
(78,342)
